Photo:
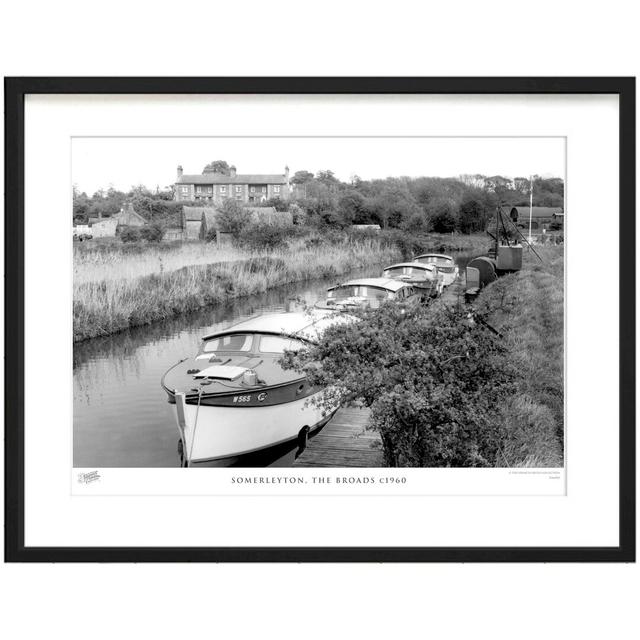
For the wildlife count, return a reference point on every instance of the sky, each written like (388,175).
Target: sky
(123,162)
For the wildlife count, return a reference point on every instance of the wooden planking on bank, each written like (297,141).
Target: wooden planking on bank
(344,442)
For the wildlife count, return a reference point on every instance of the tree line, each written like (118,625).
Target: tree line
(442,205)
(414,205)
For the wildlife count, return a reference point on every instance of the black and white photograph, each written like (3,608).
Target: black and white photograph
(322,301)
(362,317)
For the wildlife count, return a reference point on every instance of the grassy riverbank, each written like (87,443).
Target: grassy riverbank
(447,392)
(528,309)
(114,291)
(117,286)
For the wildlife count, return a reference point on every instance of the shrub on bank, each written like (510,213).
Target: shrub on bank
(447,391)
(434,382)
(130,234)
(262,236)
(152,232)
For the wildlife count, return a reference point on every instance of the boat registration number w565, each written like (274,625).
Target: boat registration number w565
(261,397)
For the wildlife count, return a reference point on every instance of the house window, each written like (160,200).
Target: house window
(253,189)
(264,189)
(238,189)
(223,189)
(185,190)
(239,198)
(276,189)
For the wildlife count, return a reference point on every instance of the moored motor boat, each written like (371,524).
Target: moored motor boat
(233,397)
(446,265)
(368,292)
(424,277)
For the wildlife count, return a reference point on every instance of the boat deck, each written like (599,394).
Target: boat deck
(344,442)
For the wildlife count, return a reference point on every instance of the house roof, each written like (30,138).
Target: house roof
(195,213)
(536,212)
(127,214)
(93,221)
(210,216)
(219,178)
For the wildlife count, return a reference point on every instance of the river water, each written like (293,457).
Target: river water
(121,417)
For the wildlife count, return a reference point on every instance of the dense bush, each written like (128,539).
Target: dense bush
(152,232)
(130,234)
(232,217)
(434,380)
(264,236)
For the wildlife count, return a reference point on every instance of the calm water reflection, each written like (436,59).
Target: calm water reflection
(121,416)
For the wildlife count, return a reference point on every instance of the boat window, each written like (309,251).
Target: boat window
(236,342)
(278,344)
(359,291)
(405,271)
(441,260)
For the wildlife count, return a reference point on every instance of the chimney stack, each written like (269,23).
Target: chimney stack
(232,171)
(179,172)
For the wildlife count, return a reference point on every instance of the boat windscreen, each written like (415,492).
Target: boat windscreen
(407,271)
(439,260)
(278,344)
(234,342)
(360,291)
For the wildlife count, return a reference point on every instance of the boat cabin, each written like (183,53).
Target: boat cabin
(425,277)
(247,355)
(446,265)
(368,292)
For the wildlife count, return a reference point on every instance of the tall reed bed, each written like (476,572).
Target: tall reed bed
(114,290)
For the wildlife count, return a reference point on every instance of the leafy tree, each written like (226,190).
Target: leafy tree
(392,203)
(301,177)
(473,216)
(218,166)
(441,214)
(233,217)
(328,178)
(152,232)
(351,207)
(81,205)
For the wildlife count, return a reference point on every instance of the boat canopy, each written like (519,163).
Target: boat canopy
(434,257)
(307,325)
(421,266)
(379,283)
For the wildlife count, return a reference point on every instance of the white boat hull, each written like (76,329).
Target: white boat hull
(214,432)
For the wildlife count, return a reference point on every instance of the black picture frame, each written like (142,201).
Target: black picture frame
(15,91)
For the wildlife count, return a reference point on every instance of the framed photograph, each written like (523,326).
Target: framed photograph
(320,319)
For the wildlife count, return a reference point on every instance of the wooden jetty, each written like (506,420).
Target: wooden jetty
(344,442)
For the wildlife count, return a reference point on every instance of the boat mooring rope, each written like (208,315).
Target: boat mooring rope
(195,426)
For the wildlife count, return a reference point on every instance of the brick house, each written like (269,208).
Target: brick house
(214,188)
